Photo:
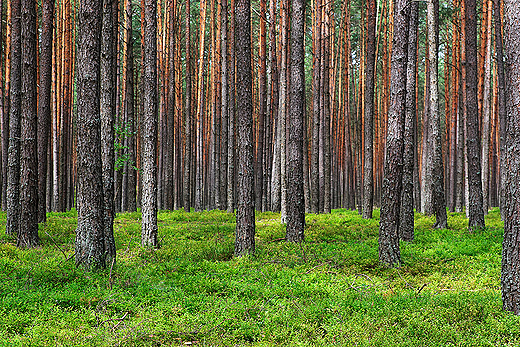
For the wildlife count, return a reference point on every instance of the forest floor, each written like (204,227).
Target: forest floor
(327,291)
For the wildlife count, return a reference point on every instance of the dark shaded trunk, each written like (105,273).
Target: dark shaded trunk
(475,203)
(368,179)
(510,278)
(389,252)
(28,232)
(90,243)
(44,105)
(149,127)
(406,223)
(224,113)
(316,86)
(187,118)
(108,109)
(295,194)
(245,229)
(13,173)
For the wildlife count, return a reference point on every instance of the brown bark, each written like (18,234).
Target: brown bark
(296,203)
(90,246)
(389,252)
(368,178)
(187,118)
(510,250)
(28,232)
(316,85)
(149,127)
(44,105)
(245,229)
(476,211)
(13,174)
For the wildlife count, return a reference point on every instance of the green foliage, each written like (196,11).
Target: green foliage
(327,291)
(122,132)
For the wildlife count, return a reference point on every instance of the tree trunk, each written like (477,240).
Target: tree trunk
(510,278)
(406,223)
(108,109)
(231,132)
(486,109)
(149,130)
(245,229)
(90,243)
(475,203)
(295,202)
(187,118)
(502,112)
(368,179)
(44,105)
(435,170)
(13,174)
(389,252)
(28,232)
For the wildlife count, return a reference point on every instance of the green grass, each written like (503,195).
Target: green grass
(328,291)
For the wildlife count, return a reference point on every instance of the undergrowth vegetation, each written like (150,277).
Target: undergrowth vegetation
(327,291)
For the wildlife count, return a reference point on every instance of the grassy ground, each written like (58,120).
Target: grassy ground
(328,291)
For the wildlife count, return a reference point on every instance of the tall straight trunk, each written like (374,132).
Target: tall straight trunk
(187,118)
(13,174)
(435,170)
(262,106)
(326,117)
(316,86)
(510,278)
(44,105)
(149,127)
(224,106)
(28,232)
(272,107)
(389,252)
(406,222)
(296,203)
(486,109)
(245,229)
(200,110)
(475,203)
(90,243)
(231,132)
(107,111)
(368,178)
(4,110)
(502,112)
(282,111)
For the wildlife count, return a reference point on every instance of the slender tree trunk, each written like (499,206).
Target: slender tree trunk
(44,105)
(486,109)
(389,252)
(316,86)
(510,278)
(107,110)
(476,211)
(435,170)
(149,130)
(187,118)
(245,229)
(13,174)
(231,132)
(368,179)
(28,232)
(406,226)
(262,101)
(90,243)
(296,203)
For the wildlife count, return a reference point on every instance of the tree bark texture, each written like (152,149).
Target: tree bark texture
(44,105)
(510,278)
(245,229)
(295,196)
(368,178)
(187,118)
(406,222)
(90,243)
(28,232)
(389,252)
(475,203)
(13,173)
(149,127)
